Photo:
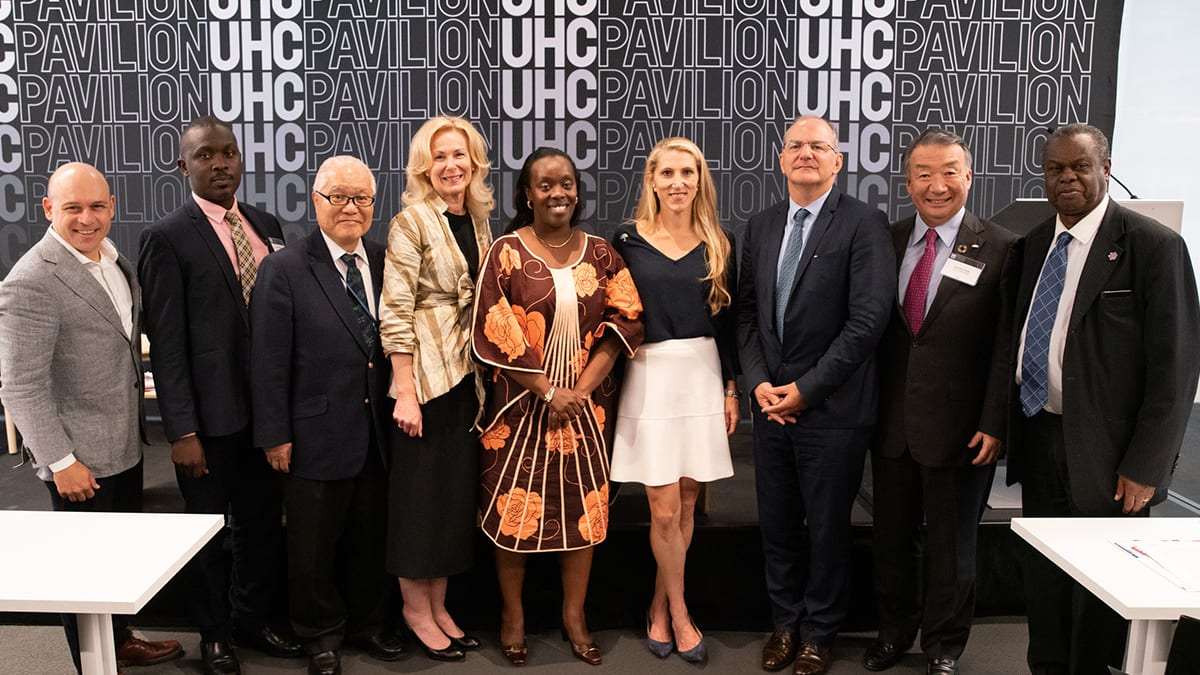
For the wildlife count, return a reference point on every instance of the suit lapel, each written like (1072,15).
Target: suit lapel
(901,233)
(330,281)
(970,235)
(820,227)
(1103,257)
(1037,244)
(205,230)
(81,282)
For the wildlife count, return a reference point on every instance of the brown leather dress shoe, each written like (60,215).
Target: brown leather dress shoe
(813,659)
(779,650)
(138,652)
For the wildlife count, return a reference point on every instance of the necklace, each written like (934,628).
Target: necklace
(547,244)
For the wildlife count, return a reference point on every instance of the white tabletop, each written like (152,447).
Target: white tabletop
(96,563)
(1082,548)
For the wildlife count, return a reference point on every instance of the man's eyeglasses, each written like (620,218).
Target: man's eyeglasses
(817,147)
(341,200)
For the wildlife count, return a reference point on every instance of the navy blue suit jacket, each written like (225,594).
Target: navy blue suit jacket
(197,321)
(315,383)
(839,307)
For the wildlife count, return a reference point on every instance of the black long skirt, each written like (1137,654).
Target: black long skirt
(433,489)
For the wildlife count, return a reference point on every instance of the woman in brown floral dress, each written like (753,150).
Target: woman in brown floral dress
(555,308)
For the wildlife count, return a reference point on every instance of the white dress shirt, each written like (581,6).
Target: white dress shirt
(1083,233)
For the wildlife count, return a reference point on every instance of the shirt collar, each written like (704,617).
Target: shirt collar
(213,210)
(108,251)
(1087,227)
(336,252)
(813,208)
(947,232)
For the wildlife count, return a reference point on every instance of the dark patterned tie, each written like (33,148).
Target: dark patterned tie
(789,260)
(918,284)
(1035,361)
(358,300)
(247,268)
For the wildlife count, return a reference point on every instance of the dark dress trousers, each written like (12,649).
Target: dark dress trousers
(199,330)
(810,470)
(1129,378)
(319,385)
(938,388)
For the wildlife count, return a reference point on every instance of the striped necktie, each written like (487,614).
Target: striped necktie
(789,261)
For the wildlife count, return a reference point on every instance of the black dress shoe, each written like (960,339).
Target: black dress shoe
(270,641)
(464,642)
(882,655)
(779,651)
(325,663)
(942,666)
(380,646)
(217,658)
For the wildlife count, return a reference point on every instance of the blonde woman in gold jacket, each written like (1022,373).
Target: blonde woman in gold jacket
(433,256)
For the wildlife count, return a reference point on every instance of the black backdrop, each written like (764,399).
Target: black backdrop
(113,82)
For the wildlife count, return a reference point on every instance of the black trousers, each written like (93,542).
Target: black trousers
(807,476)
(336,537)
(120,493)
(949,501)
(241,485)
(1070,630)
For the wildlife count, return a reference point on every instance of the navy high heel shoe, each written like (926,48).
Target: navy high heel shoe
(660,649)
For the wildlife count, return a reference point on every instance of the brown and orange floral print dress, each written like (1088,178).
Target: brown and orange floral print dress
(543,489)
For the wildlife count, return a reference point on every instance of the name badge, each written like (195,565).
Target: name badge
(276,243)
(963,269)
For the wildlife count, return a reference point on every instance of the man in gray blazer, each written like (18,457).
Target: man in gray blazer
(70,354)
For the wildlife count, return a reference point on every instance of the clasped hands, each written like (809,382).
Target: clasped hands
(566,405)
(782,404)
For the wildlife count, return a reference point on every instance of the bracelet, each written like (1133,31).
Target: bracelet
(549,395)
(732,393)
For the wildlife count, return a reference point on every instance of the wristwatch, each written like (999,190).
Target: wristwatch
(549,396)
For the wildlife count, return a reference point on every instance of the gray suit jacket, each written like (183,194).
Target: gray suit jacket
(71,379)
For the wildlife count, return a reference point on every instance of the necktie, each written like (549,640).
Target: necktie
(918,284)
(358,300)
(247,268)
(1035,361)
(788,262)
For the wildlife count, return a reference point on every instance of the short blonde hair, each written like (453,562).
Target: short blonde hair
(704,216)
(418,189)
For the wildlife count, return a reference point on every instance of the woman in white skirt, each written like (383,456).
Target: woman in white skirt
(679,399)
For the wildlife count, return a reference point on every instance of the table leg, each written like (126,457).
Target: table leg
(97,650)
(1147,647)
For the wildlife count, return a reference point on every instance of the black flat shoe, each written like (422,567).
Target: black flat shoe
(380,646)
(464,642)
(269,641)
(450,653)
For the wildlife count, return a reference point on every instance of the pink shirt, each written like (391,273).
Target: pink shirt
(216,218)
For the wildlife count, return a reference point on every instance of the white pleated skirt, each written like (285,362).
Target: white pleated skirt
(671,417)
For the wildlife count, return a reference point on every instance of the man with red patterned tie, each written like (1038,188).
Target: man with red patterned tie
(944,380)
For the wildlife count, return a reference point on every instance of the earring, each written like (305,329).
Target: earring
(529,204)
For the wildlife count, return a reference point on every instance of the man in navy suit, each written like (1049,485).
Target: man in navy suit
(1105,329)
(945,377)
(322,417)
(197,268)
(820,281)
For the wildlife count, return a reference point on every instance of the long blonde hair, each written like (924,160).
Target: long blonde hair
(418,189)
(704,217)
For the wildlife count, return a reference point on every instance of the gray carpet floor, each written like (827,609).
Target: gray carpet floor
(997,647)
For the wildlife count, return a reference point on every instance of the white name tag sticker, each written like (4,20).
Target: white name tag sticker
(962,269)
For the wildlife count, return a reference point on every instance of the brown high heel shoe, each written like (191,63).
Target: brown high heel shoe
(587,652)
(516,654)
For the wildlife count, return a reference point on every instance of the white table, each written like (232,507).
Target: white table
(94,565)
(1082,548)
